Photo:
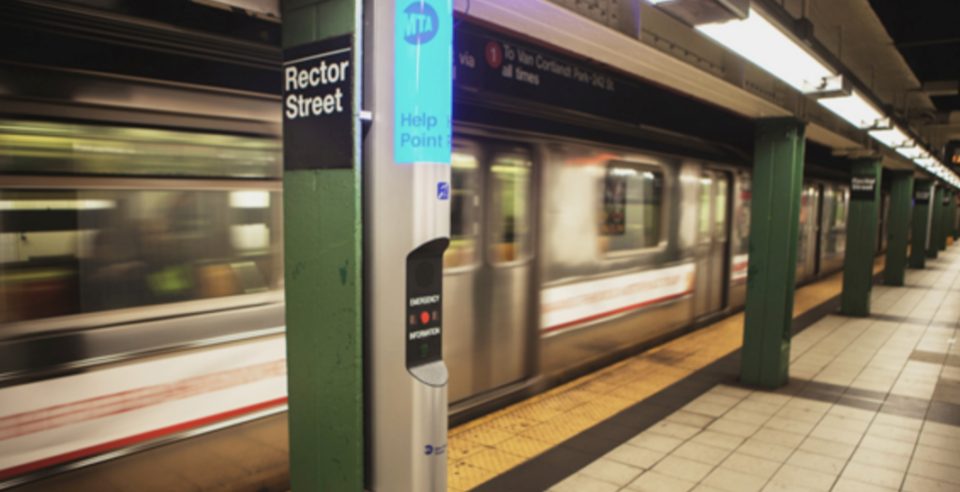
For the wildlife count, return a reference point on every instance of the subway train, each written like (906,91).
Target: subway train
(141,266)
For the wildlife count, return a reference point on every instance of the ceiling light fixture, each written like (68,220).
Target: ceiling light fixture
(855,109)
(893,138)
(760,41)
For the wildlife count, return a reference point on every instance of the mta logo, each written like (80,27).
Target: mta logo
(422,23)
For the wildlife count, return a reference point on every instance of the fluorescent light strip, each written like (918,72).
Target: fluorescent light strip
(853,108)
(913,153)
(893,138)
(758,40)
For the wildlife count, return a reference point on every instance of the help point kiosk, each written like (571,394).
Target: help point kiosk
(408,63)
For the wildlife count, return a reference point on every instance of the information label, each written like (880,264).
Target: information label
(423,92)
(489,62)
(318,105)
(921,197)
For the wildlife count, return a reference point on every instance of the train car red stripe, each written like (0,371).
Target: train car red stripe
(76,412)
(138,438)
(615,311)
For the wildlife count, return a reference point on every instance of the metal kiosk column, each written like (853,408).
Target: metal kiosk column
(408,87)
(367,102)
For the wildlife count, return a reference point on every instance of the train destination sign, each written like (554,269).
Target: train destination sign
(863,188)
(318,105)
(490,62)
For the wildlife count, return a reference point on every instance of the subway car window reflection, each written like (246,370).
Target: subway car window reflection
(67,252)
(42,147)
(115,243)
(464,210)
(510,222)
(632,207)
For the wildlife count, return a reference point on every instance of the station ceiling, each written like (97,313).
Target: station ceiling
(926,35)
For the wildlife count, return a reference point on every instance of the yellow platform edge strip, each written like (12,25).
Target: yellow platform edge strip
(486,447)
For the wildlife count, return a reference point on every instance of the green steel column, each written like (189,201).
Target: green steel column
(861,237)
(946,219)
(933,246)
(775,213)
(921,214)
(323,250)
(898,227)
(956,214)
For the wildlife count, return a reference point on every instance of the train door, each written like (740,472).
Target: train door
(488,268)
(712,243)
(508,269)
(808,233)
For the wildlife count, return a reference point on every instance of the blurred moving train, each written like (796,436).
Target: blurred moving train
(141,252)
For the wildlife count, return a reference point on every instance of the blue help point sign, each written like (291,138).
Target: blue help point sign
(423,87)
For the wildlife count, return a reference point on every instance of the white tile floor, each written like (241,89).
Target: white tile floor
(737,440)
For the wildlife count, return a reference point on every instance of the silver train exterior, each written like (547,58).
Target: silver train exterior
(565,255)
(542,289)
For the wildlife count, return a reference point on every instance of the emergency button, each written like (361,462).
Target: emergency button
(424,317)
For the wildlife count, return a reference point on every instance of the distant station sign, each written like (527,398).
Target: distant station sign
(491,62)
(863,188)
(423,95)
(318,105)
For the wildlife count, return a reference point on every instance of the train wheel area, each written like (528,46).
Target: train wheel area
(862,391)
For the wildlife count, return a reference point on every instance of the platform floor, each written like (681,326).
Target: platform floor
(873,404)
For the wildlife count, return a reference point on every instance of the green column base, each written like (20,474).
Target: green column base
(774,224)
(861,243)
(898,226)
(921,211)
(936,231)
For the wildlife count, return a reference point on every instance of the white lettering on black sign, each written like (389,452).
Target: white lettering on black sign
(429,332)
(322,74)
(318,105)
(863,188)
(420,301)
(489,62)
(921,197)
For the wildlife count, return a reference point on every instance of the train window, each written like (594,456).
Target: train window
(720,210)
(632,206)
(464,209)
(706,186)
(839,216)
(43,147)
(509,234)
(79,251)
(742,215)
